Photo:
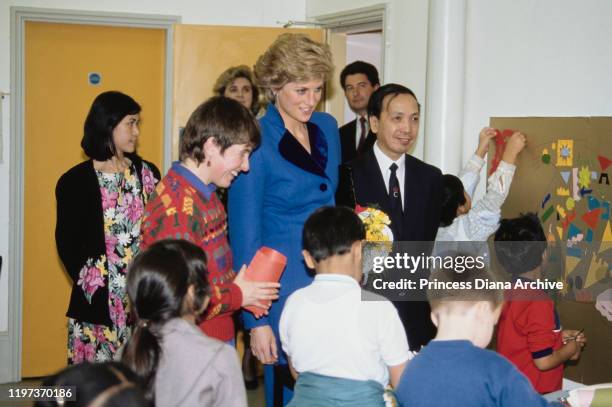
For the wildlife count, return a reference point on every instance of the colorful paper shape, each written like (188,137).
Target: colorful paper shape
(604,175)
(591,218)
(565,175)
(593,203)
(605,213)
(562,191)
(574,252)
(570,218)
(584,177)
(607,235)
(560,232)
(575,188)
(545,156)
(594,175)
(570,264)
(547,213)
(604,162)
(570,204)
(501,138)
(565,153)
(597,271)
(546,199)
(573,232)
(589,236)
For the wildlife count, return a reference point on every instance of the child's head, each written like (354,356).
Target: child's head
(520,243)
(471,309)
(168,280)
(106,384)
(331,232)
(455,201)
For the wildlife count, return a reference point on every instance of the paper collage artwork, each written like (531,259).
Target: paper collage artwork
(563,175)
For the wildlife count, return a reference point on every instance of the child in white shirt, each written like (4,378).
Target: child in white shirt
(459,221)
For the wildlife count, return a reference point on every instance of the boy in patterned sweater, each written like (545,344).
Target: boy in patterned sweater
(214,149)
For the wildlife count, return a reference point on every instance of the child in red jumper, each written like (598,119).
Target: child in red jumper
(529,332)
(214,148)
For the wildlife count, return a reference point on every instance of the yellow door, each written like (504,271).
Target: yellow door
(58,61)
(203,52)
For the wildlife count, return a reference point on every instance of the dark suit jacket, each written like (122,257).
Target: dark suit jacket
(361,182)
(348,143)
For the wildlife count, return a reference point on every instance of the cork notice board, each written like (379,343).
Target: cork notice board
(565,176)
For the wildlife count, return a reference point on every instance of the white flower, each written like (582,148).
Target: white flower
(109,213)
(124,238)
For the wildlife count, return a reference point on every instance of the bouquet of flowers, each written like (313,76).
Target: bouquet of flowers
(379,237)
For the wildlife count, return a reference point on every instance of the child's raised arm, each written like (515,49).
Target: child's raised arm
(485,136)
(514,146)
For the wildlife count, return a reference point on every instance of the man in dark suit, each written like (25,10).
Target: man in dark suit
(358,79)
(402,186)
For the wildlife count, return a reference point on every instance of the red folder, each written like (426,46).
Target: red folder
(267,265)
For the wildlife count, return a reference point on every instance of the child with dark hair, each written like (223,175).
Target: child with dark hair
(530,334)
(459,221)
(109,384)
(454,369)
(178,364)
(340,347)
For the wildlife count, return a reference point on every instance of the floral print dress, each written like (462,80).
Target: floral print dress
(123,206)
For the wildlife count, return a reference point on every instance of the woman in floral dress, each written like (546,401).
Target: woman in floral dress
(100,204)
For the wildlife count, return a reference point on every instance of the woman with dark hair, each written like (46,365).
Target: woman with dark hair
(237,83)
(178,364)
(108,384)
(100,203)
(213,150)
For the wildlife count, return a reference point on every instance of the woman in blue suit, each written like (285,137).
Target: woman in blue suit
(293,172)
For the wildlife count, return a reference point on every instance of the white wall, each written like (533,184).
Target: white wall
(405,50)
(521,58)
(227,12)
(536,58)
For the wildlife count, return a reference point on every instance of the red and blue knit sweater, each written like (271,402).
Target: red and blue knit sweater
(183,207)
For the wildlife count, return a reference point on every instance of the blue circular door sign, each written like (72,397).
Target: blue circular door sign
(94,78)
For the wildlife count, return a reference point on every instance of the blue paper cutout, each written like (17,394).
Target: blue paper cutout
(565,175)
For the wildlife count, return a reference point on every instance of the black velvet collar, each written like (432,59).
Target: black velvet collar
(291,150)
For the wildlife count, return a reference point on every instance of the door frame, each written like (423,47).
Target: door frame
(10,341)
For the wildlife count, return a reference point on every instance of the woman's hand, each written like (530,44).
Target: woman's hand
(486,135)
(263,344)
(254,292)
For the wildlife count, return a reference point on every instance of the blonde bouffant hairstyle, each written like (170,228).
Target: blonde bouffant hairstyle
(292,58)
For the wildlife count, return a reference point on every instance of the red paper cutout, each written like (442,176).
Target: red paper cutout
(592,218)
(604,162)
(501,137)
(568,219)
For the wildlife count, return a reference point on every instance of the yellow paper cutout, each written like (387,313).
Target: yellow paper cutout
(554,146)
(597,271)
(570,204)
(561,211)
(570,264)
(565,153)
(607,235)
(562,191)
(560,232)
(584,177)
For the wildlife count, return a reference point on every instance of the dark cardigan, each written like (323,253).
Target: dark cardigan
(79,234)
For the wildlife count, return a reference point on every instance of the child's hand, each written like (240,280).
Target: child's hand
(577,337)
(514,146)
(485,136)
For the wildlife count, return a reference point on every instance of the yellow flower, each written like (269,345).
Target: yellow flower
(110,335)
(89,334)
(128,255)
(100,265)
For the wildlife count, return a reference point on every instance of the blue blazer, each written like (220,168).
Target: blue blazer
(269,205)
